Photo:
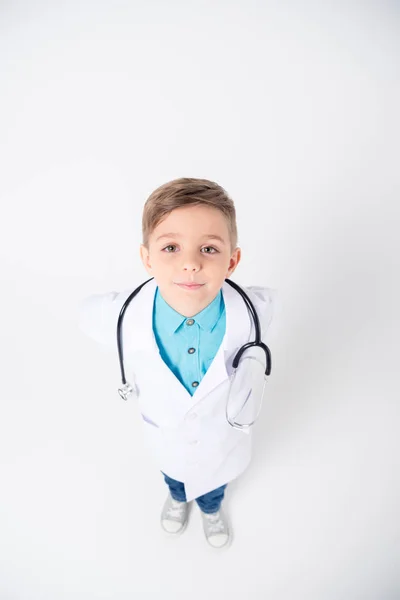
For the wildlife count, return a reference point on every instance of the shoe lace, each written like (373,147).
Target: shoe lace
(176,509)
(215,523)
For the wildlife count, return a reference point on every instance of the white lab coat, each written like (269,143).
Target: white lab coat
(188,436)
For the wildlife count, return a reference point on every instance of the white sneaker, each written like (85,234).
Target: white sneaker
(216,529)
(174,516)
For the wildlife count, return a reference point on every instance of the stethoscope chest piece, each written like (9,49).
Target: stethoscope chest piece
(126,390)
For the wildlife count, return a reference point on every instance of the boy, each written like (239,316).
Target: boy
(180,335)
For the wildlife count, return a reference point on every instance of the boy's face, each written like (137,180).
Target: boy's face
(190,246)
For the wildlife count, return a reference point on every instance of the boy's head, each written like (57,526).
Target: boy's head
(189,236)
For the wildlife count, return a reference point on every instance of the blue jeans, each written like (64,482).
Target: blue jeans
(209,503)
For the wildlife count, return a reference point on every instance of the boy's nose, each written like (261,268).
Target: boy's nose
(191,266)
(191,263)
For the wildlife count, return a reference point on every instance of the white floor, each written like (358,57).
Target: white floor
(293,106)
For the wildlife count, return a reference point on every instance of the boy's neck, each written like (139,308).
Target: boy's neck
(185,308)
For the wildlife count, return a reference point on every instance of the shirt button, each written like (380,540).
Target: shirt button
(195,383)
(192,350)
(190,322)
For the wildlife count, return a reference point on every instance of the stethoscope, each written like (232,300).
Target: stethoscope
(127,389)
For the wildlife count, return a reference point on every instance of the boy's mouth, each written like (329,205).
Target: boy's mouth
(190,285)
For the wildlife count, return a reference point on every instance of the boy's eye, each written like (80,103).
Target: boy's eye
(207,249)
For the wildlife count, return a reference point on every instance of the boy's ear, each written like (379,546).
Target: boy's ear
(145,256)
(234,261)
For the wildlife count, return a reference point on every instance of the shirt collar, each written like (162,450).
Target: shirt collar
(172,320)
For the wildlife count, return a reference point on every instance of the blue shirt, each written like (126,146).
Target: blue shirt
(188,346)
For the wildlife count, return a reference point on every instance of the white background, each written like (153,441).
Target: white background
(293,108)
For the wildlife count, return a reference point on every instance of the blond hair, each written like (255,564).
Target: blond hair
(184,192)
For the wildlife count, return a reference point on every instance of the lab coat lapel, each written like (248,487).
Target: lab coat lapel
(138,321)
(142,352)
(238,328)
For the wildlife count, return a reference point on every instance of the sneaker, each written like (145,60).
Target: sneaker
(174,516)
(216,529)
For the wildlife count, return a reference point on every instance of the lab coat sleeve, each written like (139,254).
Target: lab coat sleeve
(270,322)
(98,317)
(270,332)
(266,305)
